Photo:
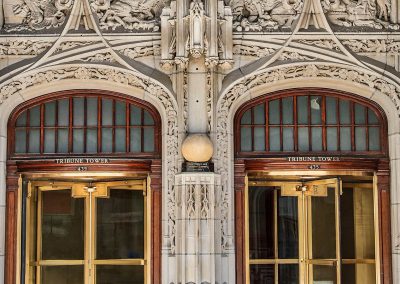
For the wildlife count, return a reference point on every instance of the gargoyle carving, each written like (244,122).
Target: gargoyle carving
(129,14)
(256,15)
(41,14)
(360,13)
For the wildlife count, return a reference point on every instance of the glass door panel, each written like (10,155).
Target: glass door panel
(87,233)
(273,236)
(311,232)
(58,235)
(120,225)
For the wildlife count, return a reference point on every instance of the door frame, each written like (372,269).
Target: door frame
(114,167)
(347,165)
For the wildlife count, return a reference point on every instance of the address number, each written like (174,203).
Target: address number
(314,167)
(82,169)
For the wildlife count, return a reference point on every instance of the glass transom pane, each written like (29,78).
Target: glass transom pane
(82,125)
(309,123)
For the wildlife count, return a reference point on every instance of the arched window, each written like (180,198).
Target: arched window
(86,124)
(312,121)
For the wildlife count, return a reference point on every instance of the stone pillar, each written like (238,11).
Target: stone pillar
(198,233)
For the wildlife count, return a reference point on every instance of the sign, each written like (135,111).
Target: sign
(82,161)
(313,159)
(198,167)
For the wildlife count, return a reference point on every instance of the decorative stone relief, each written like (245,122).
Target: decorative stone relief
(197,36)
(72,44)
(141,51)
(286,55)
(190,201)
(23,47)
(350,13)
(252,50)
(209,100)
(100,57)
(120,77)
(40,14)
(376,46)
(129,15)
(205,201)
(304,71)
(258,15)
(323,43)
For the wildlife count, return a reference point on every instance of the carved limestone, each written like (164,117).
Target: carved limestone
(130,15)
(40,14)
(364,13)
(257,15)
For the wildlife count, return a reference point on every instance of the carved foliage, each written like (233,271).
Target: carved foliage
(23,47)
(375,46)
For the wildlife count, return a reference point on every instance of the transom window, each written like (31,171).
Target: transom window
(309,122)
(87,124)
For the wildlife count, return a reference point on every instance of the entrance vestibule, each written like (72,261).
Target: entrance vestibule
(309,229)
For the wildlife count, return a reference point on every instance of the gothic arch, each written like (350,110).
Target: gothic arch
(43,81)
(381,90)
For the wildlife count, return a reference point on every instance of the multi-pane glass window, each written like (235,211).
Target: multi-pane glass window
(85,125)
(309,122)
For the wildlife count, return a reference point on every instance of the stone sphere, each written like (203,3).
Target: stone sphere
(197,148)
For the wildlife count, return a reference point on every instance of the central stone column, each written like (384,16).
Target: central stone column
(197,226)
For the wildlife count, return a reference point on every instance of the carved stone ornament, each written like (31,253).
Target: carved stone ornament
(128,14)
(224,105)
(258,15)
(196,34)
(40,14)
(122,77)
(367,13)
(373,46)
(23,47)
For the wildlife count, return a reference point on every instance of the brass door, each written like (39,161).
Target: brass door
(294,232)
(87,232)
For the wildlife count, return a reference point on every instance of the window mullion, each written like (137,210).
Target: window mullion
(323,119)
(352,129)
(70,127)
(99,117)
(41,145)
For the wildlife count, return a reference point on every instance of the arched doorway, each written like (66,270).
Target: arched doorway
(311,180)
(83,185)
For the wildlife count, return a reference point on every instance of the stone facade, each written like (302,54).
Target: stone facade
(197,62)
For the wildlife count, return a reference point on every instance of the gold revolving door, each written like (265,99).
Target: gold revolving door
(87,232)
(320,231)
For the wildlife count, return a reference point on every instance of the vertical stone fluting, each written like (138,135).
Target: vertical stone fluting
(197,222)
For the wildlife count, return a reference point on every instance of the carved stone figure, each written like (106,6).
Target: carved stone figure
(41,14)
(361,13)
(256,15)
(129,14)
